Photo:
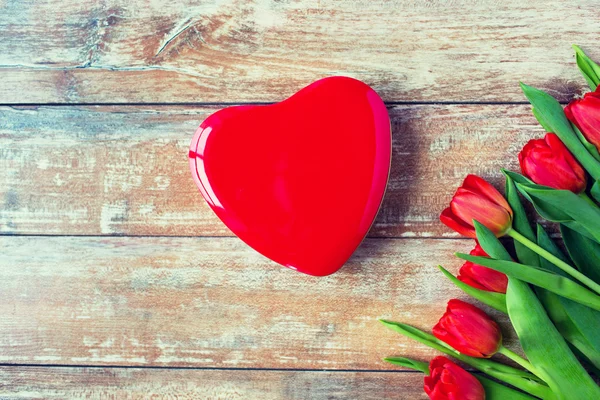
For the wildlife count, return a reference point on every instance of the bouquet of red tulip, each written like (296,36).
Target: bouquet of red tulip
(552,297)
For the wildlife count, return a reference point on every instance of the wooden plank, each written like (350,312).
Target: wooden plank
(123,170)
(132,383)
(213,302)
(261,50)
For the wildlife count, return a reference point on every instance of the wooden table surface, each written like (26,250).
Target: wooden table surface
(116,279)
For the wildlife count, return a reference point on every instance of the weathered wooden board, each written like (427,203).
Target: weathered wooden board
(124,170)
(135,383)
(264,50)
(213,302)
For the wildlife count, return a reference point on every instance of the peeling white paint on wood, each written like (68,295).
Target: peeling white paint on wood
(124,170)
(263,50)
(120,383)
(213,302)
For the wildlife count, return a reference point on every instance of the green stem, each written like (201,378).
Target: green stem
(492,299)
(523,380)
(518,359)
(554,260)
(493,389)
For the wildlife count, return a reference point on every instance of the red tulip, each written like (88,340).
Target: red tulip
(548,162)
(481,277)
(469,330)
(448,381)
(585,114)
(477,200)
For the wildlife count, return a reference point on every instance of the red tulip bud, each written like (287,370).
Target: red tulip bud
(469,330)
(448,381)
(585,114)
(477,200)
(548,162)
(481,277)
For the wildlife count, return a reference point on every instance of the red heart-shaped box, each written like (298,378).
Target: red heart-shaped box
(299,181)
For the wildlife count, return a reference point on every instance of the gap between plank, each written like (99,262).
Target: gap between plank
(159,367)
(210,236)
(227,104)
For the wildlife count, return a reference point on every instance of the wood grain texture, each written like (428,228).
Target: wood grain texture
(124,384)
(97,297)
(124,170)
(213,302)
(265,50)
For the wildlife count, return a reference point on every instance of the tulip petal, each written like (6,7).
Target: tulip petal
(492,299)
(542,343)
(518,378)
(548,162)
(469,387)
(550,167)
(551,112)
(474,327)
(536,276)
(468,206)
(559,147)
(449,381)
(463,277)
(468,329)
(448,218)
(483,278)
(477,199)
(482,187)
(585,114)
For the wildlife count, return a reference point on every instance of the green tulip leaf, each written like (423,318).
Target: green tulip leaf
(520,223)
(578,324)
(585,361)
(564,207)
(543,209)
(595,191)
(545,348)
(542,343)
(589,69)
(497,391)
(539,277)
(513,376)
(584,252)
(492,299)
(590,147)
(493,390)
(408,363)
(541,120)
(551,113)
